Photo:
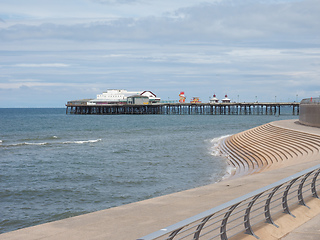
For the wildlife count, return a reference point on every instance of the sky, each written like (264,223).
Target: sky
(252,50)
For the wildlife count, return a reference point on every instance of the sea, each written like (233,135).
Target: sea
(55,165)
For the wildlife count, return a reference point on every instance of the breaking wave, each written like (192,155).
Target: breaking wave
(48,143)
(230,171)
(216,152)
(24,144)
(39,144)
(215,143)
(82,142)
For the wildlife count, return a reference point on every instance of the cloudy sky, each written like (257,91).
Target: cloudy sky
(55,51)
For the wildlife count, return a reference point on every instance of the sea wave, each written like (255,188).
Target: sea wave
(215,143)
(82,141)
(25,143)
(33,143)
(48,143)
(230,171)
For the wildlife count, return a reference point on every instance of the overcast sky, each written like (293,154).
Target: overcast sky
(55,51)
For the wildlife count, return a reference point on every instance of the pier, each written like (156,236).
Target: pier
(255,108)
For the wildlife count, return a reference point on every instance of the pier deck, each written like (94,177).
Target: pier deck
(78,107)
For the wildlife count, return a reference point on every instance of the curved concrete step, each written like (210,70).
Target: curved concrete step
(263,147)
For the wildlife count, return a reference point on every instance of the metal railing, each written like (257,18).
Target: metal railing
(243,214)
(310,101)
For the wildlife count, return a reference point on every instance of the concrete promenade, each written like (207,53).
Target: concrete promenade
(307,231)
(141,218)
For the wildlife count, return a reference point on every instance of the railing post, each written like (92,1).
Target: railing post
(247,216)
(285,196)
(174,233)
(223,228)
(267,212)
(300,196)
(200,226)
(313,185)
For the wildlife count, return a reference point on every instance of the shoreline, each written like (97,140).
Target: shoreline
(141,218)
(271,146)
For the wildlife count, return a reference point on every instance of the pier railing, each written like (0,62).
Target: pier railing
(244,214)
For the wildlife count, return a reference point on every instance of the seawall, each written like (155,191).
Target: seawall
(310,112)
(297,145)
(271,146)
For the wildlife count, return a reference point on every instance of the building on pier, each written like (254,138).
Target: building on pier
(138,99)
(214,99)
(226,99)
(120,96)
(152,97)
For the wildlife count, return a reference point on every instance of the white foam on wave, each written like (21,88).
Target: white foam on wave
(38,144)
(230,171)
(215,143)
(26,143)
(14,144)
(55,137)
(46,143)
(215,151)
(81,142)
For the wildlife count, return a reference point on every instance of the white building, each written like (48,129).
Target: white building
(214,99)
(119,96)
(226,99)
(152,97)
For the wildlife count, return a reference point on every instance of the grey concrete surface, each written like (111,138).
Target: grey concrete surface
(307,231)
(310,114)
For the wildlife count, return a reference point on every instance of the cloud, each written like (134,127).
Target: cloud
(218,22)
(28,83)
(115,1)
(41,65)
(246,48)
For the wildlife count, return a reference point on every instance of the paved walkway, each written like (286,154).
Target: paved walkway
(308,231)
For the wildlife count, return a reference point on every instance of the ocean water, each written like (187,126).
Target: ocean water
(54,166)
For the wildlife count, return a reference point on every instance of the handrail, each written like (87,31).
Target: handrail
(233,217)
